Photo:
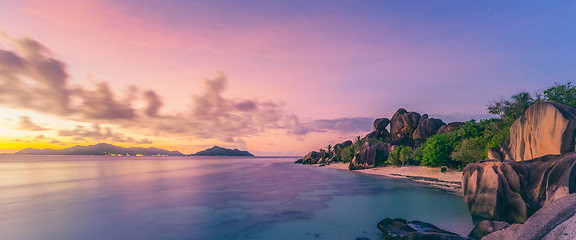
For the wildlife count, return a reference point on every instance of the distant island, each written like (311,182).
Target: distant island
(99,149)
(220,151)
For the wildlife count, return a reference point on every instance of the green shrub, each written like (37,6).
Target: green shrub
(437,150)
(443,169)
(403,155)
(347,154)
(469,151)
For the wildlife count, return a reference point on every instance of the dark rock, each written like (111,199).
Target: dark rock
(299,160)
(512,191)
(380,124)
(395,228)
(312,157)
(450,127)
(368,155)
(506,233)
(401,229)
(373,134)
(546,128)
(486,227)
(365,158)
(346,143)
(403,123)
(557,220)
(427,127)
(404,141)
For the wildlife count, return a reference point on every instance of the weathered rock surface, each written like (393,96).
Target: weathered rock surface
(404,141)
(346,143)
(486,227)
(365,158)
(312,157)
(492,191)
(373,134)
(403,123)
(427,127)
(512,191)
(368,155)
(453,126)
(557,220)
(546,128)
(403,230)
(380,124)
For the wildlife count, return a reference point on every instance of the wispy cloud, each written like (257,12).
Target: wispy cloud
(27,124)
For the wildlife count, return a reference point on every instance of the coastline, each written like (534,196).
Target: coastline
(451,180)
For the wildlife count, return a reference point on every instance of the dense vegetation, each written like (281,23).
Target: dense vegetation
(471,142)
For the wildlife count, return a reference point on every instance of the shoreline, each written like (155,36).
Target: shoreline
(451,180)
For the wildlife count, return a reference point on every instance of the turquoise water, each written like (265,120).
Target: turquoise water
(97,197)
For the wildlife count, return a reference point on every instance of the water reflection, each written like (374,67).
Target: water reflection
(90,197)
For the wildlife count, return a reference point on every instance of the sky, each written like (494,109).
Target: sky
(271,77)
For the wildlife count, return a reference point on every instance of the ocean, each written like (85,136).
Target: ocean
(99,197)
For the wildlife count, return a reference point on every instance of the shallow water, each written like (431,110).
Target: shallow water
(98,197)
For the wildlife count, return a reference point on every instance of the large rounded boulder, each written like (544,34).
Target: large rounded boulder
(380,124)
(403,123)
(427,127)
(546,128)
(512,191)
(368,155)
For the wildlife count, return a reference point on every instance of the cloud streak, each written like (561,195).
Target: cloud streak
(27,124)
(30,78)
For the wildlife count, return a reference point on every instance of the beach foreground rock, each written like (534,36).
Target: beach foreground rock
(512,191)
(400,229)
(557,220)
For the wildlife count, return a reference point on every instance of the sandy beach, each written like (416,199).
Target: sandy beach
(450,180)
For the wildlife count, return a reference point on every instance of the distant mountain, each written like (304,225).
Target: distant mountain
(219,151)
(98,149)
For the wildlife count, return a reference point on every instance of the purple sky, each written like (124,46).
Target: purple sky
(272,77)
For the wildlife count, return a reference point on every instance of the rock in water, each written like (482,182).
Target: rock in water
(512,191)
(403,230)
(311,158)
(546,128)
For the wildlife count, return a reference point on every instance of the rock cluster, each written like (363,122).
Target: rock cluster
(530,179)
(533,172)
(312,157)
(406,129)
(512,191)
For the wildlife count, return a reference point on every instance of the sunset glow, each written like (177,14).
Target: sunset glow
(273,78)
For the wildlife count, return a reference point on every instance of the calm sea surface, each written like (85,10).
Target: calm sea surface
(97,197)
